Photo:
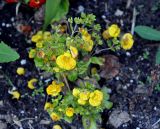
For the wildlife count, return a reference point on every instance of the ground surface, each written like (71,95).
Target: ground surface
(133,89)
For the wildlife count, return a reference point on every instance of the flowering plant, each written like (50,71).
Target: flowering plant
(85,100)
(68,50)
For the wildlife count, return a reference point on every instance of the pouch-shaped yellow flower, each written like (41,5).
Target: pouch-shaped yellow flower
(32,53)
(54,116)
(75,92)
(39,44)
(56,127)
(37,37)
(48,105)
(82,102)
(31,83)
(15,94)
(20,71)
(54,89)
(73,51)
(47,36)
(114,31)
(84,95)
(96,98)
(66,61)
(69,112)
(127,41)
(88,46)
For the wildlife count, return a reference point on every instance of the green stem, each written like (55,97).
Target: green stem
(89,123)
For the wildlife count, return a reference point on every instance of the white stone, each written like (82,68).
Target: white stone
(138,128)
(8,25)
(3,24)
(128,54)
(23,61)
(80,9)
(12,19)
(117,78)
(131,81)
(118,12)
(103,16)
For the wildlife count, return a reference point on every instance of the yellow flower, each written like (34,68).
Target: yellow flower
(114,30)
(74,51)
(47,36)
(127,41)
(83,31)
(69,112)
(54,116)
(56,127)
(105,34)
(76,92)
(32,53)
(20,71)
(39,44)
(96,98)
(84,95)
(88,46)
(31,83)
(81,101)
(86,37)
(48,105)
(37,37)
(54,89)
(66,61)
(15,94)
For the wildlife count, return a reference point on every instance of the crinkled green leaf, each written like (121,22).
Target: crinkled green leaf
(97,60)
(148,33)
(7,54)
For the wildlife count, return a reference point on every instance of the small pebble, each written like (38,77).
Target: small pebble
(138,128)
(3,24)
(155,108)
(103,16)
(35,109)
(125,87)
(21,128)
(22,112)
(118,12)
(131,69)
(36,117)
(0,33)
(131,81)
(32,21)
(12,19)
(8,25)
(80,9)
(10,35)
(46,81)
(128,54)
(0,67)
(117,78)
(41,77)
(23,62)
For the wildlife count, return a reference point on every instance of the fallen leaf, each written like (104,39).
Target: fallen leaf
(111,67)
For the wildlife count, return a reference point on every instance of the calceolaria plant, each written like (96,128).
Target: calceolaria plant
(85,100)
(67,50)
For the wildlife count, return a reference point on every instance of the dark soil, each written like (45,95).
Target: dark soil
(133,89)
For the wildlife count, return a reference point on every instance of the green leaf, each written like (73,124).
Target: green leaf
(26,1)
(97,60)
(148,33)
(55,10)
(7,54)
(108,104)
(158,56)
(72,76)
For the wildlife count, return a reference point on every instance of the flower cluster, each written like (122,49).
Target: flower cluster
(93,98)
(86,101)
(62,52)
(112,34)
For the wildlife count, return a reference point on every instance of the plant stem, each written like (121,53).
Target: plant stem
(66,82)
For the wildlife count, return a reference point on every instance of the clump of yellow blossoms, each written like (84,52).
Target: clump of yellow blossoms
(55,88)
(56,127)
(54,116)
(15,94)
(115,42)
(127,41)
(96,98)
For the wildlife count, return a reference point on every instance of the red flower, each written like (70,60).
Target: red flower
(36,3)
(11,1)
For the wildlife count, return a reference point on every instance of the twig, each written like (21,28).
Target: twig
(17,8)
(133,20)
(102,50)
(66,82)
(128,3)
(156,122)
